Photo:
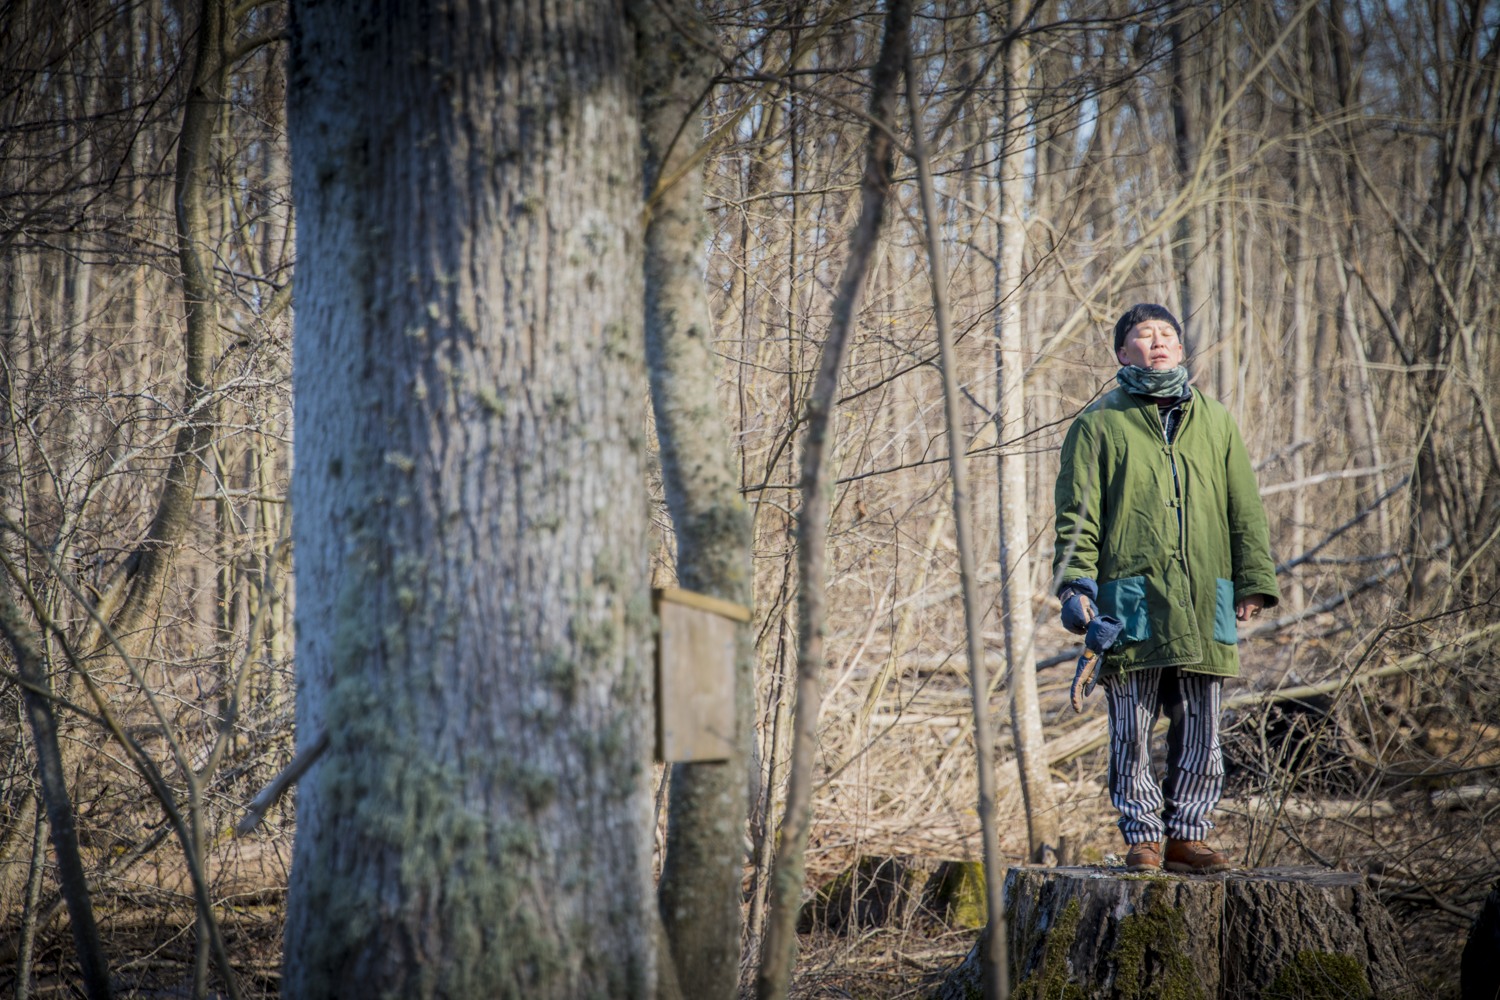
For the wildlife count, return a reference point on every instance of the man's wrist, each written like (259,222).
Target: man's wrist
(1081,585)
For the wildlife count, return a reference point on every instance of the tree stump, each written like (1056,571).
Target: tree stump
(875,892)
(1273,933)
(887,891)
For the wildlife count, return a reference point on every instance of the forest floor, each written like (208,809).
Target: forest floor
(1428,862)
(1399,783)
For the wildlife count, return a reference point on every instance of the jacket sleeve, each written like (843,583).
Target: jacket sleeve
(1078,497)
(1249,537)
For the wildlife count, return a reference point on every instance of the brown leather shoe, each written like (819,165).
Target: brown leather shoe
(1195,856)
(1144,857)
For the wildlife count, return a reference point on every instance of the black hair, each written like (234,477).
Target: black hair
(1140,313)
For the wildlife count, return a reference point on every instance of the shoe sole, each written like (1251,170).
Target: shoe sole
(1143,868)
(1178,866)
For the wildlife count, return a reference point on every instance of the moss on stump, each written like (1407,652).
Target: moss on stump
(955,894)
(1151,955)
(1051,980)
(1320,975)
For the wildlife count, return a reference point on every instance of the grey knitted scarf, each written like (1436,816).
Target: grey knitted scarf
(1150,382)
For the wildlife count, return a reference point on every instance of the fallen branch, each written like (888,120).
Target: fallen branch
(1307,811)
(1465,797)
(1326,477)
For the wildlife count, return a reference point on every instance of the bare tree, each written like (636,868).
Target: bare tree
(993,961)
(699,890)
(787,876)
(1010,419)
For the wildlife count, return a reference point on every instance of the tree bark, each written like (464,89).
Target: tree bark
(1273,915)
(699,889)
(470,530)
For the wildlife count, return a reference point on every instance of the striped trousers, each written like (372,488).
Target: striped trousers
(1179,807)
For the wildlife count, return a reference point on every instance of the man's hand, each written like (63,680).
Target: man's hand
(1247,608)
(1102,632)
(1077,599)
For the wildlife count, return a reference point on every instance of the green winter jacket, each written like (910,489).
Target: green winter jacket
(1173,534)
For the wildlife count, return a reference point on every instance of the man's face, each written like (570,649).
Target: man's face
(1152,344)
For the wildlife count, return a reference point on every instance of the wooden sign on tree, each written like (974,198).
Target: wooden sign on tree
(695,675)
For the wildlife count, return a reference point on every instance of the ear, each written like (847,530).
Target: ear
(1120,357)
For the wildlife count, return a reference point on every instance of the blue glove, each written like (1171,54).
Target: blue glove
(1102,633)
(1074,618)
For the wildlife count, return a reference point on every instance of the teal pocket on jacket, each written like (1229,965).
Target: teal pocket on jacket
(1225,629)
(1126,600)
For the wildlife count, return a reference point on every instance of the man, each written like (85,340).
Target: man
(1159,523)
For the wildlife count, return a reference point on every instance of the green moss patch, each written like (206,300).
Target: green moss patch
(1150,956)
(956,894)
(1051,979)
(1320,975)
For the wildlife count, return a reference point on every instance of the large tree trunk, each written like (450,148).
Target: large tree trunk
(470,525)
